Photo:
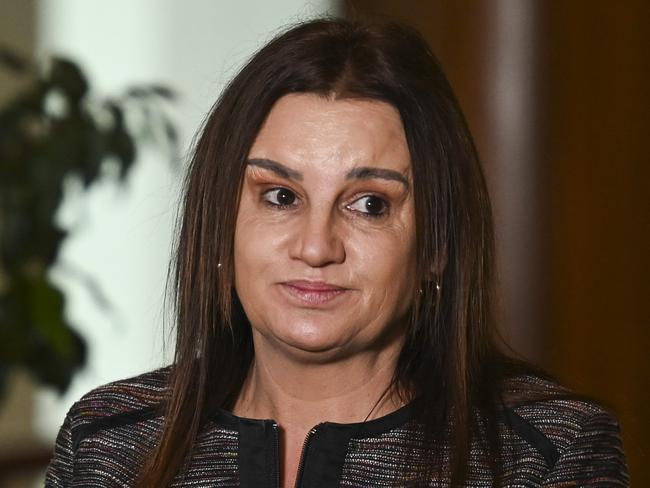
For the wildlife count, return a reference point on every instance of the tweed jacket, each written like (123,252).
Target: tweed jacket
(556,443)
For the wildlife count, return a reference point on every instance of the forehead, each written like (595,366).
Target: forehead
(308,130)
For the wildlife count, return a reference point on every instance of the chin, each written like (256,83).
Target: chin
(311,341)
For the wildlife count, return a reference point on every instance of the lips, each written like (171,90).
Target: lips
(313,292)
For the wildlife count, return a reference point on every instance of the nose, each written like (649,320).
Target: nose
(317,241)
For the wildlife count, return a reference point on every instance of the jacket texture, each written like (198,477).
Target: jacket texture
(553,443)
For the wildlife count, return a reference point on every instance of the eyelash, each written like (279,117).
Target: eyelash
(280,206)
(277,205)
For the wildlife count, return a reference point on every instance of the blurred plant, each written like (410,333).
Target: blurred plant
(52,131)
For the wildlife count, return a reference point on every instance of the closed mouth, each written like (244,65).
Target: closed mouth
(313,292)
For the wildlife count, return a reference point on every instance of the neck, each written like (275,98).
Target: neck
(299,394)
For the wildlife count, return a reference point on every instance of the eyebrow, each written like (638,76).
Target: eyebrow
(279,169)
(361,173)
(367,172)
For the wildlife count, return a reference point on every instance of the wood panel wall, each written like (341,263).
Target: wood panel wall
(582,257)
(599,88)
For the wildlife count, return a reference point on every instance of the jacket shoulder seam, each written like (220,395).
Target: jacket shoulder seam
(121,419)
(533,436)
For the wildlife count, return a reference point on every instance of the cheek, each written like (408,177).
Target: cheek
(251,259)
(258,246)
(249,246)
(393,263)
(385,261)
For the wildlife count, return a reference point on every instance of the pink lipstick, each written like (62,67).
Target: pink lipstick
(313,292)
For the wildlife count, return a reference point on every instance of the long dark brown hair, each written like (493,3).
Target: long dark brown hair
(449,363)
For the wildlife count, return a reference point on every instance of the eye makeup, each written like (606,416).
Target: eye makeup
(279,197)
(370,206)
(369,197)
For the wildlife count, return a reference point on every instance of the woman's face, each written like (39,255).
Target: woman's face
(325,232)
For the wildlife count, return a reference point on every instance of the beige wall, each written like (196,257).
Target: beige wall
(17,32)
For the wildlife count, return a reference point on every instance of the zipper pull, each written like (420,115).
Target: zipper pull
(276,451)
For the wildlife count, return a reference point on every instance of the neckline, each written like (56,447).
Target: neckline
(369,428)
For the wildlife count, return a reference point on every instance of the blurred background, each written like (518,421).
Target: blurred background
(555,93)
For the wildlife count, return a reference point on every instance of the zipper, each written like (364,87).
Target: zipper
(276,445)
(303,454)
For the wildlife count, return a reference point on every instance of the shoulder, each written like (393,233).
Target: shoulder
(122,401)
(142,391)
(557,412)
(105,409)
(572,432)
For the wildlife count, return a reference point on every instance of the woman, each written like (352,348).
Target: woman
(334,273)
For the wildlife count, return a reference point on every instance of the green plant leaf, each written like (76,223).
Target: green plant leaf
(67,76)
(48,133)
(34,333)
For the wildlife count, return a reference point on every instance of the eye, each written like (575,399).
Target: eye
(370,206)
(279,197)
